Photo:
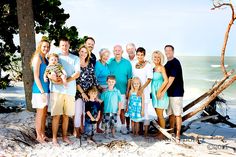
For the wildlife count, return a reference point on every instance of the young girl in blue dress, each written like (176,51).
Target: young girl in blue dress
(135,108)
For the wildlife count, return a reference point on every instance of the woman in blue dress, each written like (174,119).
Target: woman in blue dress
(160,100)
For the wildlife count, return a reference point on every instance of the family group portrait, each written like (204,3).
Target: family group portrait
(117,78)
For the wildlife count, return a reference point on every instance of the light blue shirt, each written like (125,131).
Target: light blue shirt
(111,100)
(101,72)
(123,72)
(71,65)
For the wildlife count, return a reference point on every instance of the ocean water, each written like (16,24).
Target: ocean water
(201,72)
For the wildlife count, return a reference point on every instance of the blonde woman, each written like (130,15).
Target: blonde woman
(40,89)
(160,101)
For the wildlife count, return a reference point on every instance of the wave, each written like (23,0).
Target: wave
(218,66)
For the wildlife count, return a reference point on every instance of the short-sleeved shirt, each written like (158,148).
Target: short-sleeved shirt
(93,107)
(111,100)
(101,72)
(174,69)
(144,74)
(71,65)
(123,72)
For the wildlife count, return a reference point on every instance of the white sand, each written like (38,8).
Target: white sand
(11,122)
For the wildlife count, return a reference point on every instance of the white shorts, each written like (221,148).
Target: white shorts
(37,101)
(79,110)
(175,106)
(123,101)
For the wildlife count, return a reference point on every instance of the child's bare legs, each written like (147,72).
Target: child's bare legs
(145,130)
(77,131)
(113,131)
(64,81)
(133,127)
(136,124)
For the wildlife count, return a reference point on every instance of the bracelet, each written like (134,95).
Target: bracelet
(42,92)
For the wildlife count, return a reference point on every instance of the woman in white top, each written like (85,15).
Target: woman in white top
(143,70)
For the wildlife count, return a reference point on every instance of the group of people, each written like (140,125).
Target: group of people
(99,92)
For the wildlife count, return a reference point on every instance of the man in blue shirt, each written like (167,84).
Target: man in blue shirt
(62,100)
(175,90)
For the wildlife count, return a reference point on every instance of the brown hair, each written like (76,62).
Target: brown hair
(111,77)
(92,89)
(172,47)
(91,38)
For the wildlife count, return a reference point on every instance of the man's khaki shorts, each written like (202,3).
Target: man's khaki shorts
(62,104)
(175,106)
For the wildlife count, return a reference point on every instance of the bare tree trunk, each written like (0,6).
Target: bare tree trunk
(27,44)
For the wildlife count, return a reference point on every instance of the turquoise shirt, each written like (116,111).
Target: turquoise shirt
(101,72)
(123,72)
(111,100)
(71,64)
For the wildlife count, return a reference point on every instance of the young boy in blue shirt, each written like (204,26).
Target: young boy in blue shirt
(112,105)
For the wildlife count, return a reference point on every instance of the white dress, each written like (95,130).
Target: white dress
(144,74)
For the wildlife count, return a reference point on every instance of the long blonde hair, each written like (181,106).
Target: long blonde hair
(132,87)
(38,49)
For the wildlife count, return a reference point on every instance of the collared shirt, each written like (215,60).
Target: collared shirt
(123,72)
(71,64)
(111,100)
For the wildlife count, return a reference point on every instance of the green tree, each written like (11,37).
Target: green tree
(48,18)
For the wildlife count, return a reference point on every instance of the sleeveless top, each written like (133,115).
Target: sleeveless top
(45,85)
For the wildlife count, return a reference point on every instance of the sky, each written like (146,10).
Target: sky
(189,25)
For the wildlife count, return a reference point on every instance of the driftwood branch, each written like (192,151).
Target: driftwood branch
(169,136)
(231,22)
(216,92)
(197,120)
(203,96)
(197,137)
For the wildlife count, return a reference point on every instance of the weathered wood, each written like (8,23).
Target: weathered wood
(198,136)
(203,96)
(168,135)
(185,128)
(216,93)
(226,37)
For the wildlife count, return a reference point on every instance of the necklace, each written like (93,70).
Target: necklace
(140,65)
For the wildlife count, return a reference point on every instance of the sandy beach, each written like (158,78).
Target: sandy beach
(128,145)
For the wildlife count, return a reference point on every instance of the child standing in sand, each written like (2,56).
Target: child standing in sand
(112,106)
(135,108)
(55,68)
(93,113)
